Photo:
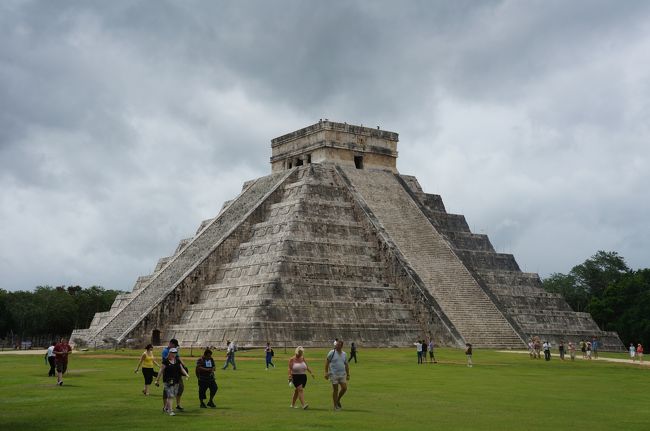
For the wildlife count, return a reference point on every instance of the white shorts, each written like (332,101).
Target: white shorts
(337,379)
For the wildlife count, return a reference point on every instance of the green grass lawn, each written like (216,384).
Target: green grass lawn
(387,391)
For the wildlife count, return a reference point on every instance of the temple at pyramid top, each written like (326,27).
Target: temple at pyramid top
(338,143)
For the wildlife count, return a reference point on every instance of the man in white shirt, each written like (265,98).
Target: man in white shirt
(230,356)
(338,373)
(50,358)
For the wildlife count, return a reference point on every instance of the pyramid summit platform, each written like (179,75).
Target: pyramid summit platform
(336,243)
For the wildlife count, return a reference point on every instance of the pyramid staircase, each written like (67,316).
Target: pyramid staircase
(309,272)
(519,295)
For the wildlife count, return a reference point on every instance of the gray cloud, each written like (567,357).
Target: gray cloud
(124,124)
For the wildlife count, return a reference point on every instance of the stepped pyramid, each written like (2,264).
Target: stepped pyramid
(336,243)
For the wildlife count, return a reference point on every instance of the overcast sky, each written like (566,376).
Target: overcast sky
(124,124)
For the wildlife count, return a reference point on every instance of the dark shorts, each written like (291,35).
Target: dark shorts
(61,367)
(299,380)
(148,374)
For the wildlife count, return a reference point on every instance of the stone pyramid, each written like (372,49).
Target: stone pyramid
(336,243)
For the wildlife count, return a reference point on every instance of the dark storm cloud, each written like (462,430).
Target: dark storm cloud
(123,124)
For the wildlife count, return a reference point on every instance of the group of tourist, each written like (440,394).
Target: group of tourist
(589,349)
(636,353)
(172,370)
(421,348)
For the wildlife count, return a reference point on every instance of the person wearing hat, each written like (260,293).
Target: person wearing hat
(173,344)
(171,372)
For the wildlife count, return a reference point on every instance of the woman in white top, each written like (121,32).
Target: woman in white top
(298,369)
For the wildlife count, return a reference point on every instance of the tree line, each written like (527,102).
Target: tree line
(617,297)
(48,312)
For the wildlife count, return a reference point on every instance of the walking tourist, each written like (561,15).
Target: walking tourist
(424,351)
(572,350)
(561,349)
(269,355)
(632,351)
(230,355)
(583,349)
(50,359)
(595,345)
(537,346)
(531,349)
(173,344)
(147,362)
(468,354)
(547,350)
(205,374)
(298,370)
(171,371)
(589,350)
(61,352)
(353,353)
(338,373)
(639,353)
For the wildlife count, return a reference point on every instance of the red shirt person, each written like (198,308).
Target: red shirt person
(61,351)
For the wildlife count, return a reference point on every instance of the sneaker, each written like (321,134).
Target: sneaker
(203,406)
(171,413)
(179,408)
(211,404)
(60,383)
(339,405)
(305,407)
(337,408)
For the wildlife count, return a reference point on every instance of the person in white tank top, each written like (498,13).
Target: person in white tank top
(298,370)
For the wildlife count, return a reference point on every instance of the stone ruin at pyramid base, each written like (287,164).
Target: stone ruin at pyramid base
(335,243)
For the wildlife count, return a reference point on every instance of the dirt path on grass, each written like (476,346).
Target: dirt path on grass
(601,359)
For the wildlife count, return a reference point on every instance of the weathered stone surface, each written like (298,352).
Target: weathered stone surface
(339,246)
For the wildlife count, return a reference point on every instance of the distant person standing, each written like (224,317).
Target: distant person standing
(432,357)
(418,350)
(632,351)
(547,350)
(583,349)
(171,372)
(50,358)
(353,353)
(205,374)
(147,361)
(338,373)
(561,349)
(230,355)
(269,355)
(572,350)
(424,351)
(61,352)
(595,345)
(589,350)
(639,353)
(468,354)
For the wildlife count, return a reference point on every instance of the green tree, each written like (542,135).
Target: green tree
(595,274)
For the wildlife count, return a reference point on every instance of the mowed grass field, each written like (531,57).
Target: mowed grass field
(387,391)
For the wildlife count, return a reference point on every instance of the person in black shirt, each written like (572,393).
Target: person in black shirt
(171,372)
(205,374)
(468,354)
